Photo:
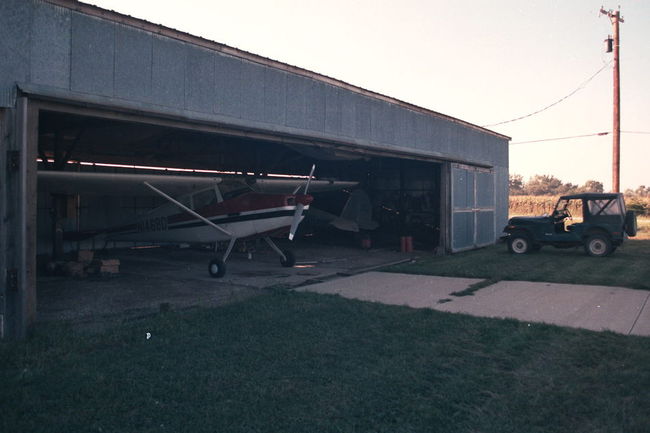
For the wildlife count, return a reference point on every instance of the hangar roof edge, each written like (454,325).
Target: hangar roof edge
(142,24)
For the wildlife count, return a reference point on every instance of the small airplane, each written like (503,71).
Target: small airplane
(355,216)
(215,209)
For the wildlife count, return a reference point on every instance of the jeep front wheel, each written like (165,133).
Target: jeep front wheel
(598,245)
(519,243)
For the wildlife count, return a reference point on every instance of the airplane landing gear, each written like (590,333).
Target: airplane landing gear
(217,268)
(289,259)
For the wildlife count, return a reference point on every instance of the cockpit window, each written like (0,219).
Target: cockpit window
(233,188)
(204,198)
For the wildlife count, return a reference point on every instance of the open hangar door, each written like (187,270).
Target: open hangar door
(407,197)
(404,194)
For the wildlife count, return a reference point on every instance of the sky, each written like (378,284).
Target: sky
(481,61)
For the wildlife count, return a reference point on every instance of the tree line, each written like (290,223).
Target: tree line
(542,184)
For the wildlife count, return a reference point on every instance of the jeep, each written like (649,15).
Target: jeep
(600,226)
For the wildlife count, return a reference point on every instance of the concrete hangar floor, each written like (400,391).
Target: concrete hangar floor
(151,279)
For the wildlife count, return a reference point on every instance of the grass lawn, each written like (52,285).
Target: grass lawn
(299,362)
(629,266)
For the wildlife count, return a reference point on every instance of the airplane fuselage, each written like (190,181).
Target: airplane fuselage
(243,216)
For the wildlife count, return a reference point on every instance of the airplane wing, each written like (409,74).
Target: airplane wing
(68,182)
(286,186)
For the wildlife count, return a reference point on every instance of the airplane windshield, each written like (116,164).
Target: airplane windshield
(233,188)
(204,198)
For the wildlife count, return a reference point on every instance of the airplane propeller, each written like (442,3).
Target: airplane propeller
(297,216)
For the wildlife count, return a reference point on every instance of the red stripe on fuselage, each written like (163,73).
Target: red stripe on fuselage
(247,202)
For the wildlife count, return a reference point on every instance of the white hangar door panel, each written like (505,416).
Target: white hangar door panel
(472,207)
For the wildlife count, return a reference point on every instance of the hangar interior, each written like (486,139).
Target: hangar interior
(405,193)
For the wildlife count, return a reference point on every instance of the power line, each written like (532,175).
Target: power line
(577,136)
(561,138)
(580,87)
(635,132)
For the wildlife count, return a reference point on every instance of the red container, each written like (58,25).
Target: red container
(409,244)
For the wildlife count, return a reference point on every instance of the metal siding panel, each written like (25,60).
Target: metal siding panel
(478,141)
(376,120)
(15,21)
(501,205)
(438,135)
(389,115)
(93,55)
(133,60)
(408,129)
(485,190)
(348,114)
(399,128)
(463,233)
(459,145)
(470,192)
(228,85)
(485,228)
(252,91)
(275,96)
(296,100)
(498,150)
(50,48)
(199,80)
(333,112)
(460,180)
(362,118)
(422,139)
(315,106)
(168,72)
(444,132)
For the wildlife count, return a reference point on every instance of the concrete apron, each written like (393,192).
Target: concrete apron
(597,308)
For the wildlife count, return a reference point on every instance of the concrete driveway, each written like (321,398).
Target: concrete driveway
(598,308)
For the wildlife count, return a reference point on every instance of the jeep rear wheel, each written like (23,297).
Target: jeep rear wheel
(519,243)
(598,245)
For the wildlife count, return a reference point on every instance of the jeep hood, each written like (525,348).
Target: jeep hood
(527,220)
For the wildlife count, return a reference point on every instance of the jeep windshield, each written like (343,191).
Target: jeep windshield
(568,208)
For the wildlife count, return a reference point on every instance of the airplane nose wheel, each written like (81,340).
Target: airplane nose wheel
(217,268)
(289,259)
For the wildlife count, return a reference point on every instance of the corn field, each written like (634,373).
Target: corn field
(540,204)
(523,205)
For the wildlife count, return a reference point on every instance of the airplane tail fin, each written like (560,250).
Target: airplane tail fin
(356,214)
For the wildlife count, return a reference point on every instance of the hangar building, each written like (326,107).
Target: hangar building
(80,83)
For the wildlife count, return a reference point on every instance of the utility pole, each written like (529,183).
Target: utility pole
(615,17)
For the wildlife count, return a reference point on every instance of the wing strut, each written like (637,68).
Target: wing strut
(188,210)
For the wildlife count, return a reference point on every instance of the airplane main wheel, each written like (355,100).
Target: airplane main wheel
(217,268)
(290,259)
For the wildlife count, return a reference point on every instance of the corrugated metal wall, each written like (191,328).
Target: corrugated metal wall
(53,50)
